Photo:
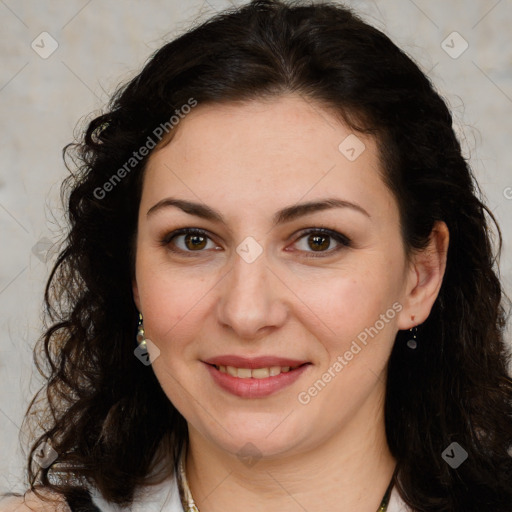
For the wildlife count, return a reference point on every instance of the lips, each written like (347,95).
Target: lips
(254,362)
(254,377)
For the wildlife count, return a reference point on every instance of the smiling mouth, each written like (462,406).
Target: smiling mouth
(256,373)
(251,378)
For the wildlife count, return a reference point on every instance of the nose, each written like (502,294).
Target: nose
(252,299)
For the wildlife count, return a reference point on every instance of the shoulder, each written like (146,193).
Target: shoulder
(44,501)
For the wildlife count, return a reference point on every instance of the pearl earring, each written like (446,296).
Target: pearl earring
(141,338)
(412,342)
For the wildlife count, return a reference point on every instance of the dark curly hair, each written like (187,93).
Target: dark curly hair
(98,398)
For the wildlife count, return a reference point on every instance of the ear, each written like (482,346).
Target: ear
(425,276)
(135,291)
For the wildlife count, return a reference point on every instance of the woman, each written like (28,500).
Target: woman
(278,291)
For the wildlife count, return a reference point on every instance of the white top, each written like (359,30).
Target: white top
(158,498)
(396,504)
(166,498)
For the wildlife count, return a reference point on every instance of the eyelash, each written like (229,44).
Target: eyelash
(338,237)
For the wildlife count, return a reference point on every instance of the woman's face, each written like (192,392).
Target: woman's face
(261,287)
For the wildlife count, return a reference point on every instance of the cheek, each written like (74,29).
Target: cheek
(171,302)
(349,300)
(355,312)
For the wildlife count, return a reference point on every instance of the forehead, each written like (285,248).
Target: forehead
(281,149)
(288,127)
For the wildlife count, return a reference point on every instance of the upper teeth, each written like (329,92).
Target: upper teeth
(255,373)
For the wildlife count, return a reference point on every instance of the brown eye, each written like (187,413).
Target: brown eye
(318,242)
(193,241)
(188,241)
(321,241)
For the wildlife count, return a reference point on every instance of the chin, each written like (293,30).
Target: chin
(259,435)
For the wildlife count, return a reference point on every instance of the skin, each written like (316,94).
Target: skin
(44,501)
(247,161)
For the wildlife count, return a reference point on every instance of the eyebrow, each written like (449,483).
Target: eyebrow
(282,216)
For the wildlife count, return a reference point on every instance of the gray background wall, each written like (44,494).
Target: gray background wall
(102,43)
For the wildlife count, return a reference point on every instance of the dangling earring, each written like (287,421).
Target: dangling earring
(141,338)
(412,342)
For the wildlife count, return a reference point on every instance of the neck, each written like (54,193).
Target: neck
(350,470)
